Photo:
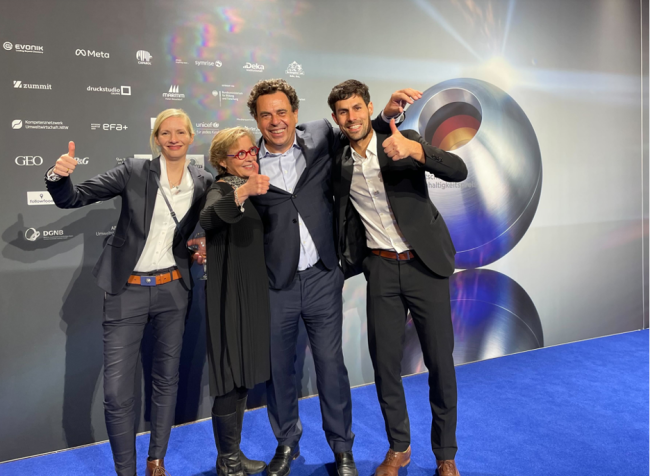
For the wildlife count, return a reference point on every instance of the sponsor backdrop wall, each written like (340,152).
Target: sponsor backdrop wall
(543,100)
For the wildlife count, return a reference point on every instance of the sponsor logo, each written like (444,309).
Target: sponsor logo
(196,160)
(294,70)
(250,128)
(106,233)
(114,91)
(227,96)
(82,160)
(180,61)
(215,64)
(21,85)
(32,234)
(39,198)
(173,94)
(108,127)
(144,57)
(143,156)
(206,128)
(18,48)
(92,54)
(254,67)
(153,122)
(29,160)
(48,125)
(120,160)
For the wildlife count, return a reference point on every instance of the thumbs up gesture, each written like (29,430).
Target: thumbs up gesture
(255,185)
(66,164)
(398,147)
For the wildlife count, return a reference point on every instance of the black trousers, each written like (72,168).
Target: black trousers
(125,317)
(393,288)
(315,296)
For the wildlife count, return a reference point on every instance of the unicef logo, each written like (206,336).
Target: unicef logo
(7,45)
(32,234)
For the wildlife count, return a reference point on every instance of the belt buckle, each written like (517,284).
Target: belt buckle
(147,280)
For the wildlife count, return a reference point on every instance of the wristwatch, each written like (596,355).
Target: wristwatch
(51,176)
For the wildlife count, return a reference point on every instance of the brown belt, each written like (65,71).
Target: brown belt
(405,256)
(155,280)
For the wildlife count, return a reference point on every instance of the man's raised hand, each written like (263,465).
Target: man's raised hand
(399,99)
(66,164)
(398,147)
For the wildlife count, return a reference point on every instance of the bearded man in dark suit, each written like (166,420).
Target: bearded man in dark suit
(389,229)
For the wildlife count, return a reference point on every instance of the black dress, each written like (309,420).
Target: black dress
(237,293)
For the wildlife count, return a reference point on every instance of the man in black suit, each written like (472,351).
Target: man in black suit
(389,229)
(304,275)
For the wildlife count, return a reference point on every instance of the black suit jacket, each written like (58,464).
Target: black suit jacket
(408,195)
(134,181)
(312,198)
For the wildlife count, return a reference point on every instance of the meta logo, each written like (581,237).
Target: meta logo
(29,160)
(143,57)
(92,53)
(18,48)
(254,67)
(108,127)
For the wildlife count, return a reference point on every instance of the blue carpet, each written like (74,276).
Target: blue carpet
(576,409)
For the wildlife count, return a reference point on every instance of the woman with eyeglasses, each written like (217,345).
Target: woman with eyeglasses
(237,293)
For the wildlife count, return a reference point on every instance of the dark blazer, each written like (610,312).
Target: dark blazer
(312,198)
(134,181)
(408,195)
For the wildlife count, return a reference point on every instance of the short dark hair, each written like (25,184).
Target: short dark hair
(272,86)
(346,90)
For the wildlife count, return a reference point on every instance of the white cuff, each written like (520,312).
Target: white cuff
(398,119)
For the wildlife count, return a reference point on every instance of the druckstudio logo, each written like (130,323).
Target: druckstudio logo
(21,85)
(114,91)
(294,70)
(144,57)
(254,67)
(92,53)
(173,94)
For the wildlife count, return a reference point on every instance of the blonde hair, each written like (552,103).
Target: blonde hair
(223,141)
(166,114)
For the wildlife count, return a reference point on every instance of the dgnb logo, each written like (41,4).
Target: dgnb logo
(17,124)
(173,94)
(29,160)
(32,234)
(92,53)
(144,57)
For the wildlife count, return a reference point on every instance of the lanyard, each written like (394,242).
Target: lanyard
(171,210)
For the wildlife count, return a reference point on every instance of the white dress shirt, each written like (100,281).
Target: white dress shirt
(157,252)
(368,196)
(283,171)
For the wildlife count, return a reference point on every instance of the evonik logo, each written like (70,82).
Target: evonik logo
(92,53)
(18,48)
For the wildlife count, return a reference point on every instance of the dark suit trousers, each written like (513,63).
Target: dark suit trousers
(393,288)
(315,295)
(125,317)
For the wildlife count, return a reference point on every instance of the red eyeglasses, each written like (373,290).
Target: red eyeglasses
(241,155)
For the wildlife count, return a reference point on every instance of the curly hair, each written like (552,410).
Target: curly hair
(346,90)
(271,86)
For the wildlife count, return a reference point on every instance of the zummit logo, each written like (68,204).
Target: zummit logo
(21,85)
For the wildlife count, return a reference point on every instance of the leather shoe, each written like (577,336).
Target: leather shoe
(393,462)
(345,464)
(447,467)
(280,465)
(156,467)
